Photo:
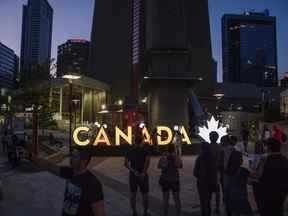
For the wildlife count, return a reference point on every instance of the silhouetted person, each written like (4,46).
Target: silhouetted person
(137,161)
(83,194)
(225,144)
(266,133)
(236,195)
(272,187)
(216,150)
(4,140)
(205,171)
(12,151)
(278,134)
(244,135)
(169,164)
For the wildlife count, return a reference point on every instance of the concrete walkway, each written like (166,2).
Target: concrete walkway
(30,192)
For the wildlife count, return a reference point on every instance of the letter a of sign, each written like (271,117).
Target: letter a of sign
(185,136)
(102,137)
(146,135)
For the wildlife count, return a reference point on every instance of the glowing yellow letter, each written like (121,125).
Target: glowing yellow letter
(146,135)
(75,136)
(119,133)
(99,138)
(169,137)
(185,136)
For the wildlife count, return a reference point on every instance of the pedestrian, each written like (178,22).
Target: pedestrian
(216,151)
(5,141)
(236,195)
(51,139)
(225,144)
(83,193)
(137,161)
(169,180)
(271,189)
(278,134)
(13,156)
(266,133)
(245,135)
(205,171)
(228,151)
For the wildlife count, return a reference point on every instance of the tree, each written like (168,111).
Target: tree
(34,94)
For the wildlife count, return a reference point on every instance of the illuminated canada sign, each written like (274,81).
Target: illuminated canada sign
(164,134)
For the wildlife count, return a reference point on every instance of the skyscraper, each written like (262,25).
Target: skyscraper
(249,48)
(36,35)
(109,58)
(9,66)
(150,38)
(73,57)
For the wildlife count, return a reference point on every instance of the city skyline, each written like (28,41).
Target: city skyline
(77,19)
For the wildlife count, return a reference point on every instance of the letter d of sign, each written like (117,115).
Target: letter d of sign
(169,135)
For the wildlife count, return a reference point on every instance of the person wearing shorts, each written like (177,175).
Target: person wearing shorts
(137,162)
(169,180)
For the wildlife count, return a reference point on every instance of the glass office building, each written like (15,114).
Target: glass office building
(36,34)
(9,64)
(250,49)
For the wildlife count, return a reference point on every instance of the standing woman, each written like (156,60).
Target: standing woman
(169,164)
(236,194)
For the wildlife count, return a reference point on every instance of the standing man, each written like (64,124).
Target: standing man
(83,194)
(137,161)
(272,187)
(216,151)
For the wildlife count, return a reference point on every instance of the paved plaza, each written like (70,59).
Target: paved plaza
(32,192)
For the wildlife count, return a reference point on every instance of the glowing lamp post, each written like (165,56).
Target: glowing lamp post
(70,78)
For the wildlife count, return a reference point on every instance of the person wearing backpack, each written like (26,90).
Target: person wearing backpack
(170,163)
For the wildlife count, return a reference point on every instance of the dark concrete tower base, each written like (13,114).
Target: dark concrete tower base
(168,101)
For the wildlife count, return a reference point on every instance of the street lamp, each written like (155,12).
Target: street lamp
(75,102)
(70,78)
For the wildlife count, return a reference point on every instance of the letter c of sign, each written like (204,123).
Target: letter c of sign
(76,139)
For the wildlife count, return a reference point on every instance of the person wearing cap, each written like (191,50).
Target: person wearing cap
(271,188)
(83,193)
(137,161)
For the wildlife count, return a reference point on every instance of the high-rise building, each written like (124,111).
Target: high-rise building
(249,48)
(150,38)
(73,57)
(9,65)
(215,70)
(108,61)
(36,35)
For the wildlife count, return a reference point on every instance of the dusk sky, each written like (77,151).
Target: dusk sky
(73,19)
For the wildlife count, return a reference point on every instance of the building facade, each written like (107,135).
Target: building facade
(160,41)
(9,67)
(36,35)
(156,41)
(73,57)
(108,61)
(249,49)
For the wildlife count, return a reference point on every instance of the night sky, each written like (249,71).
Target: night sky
(73,19)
